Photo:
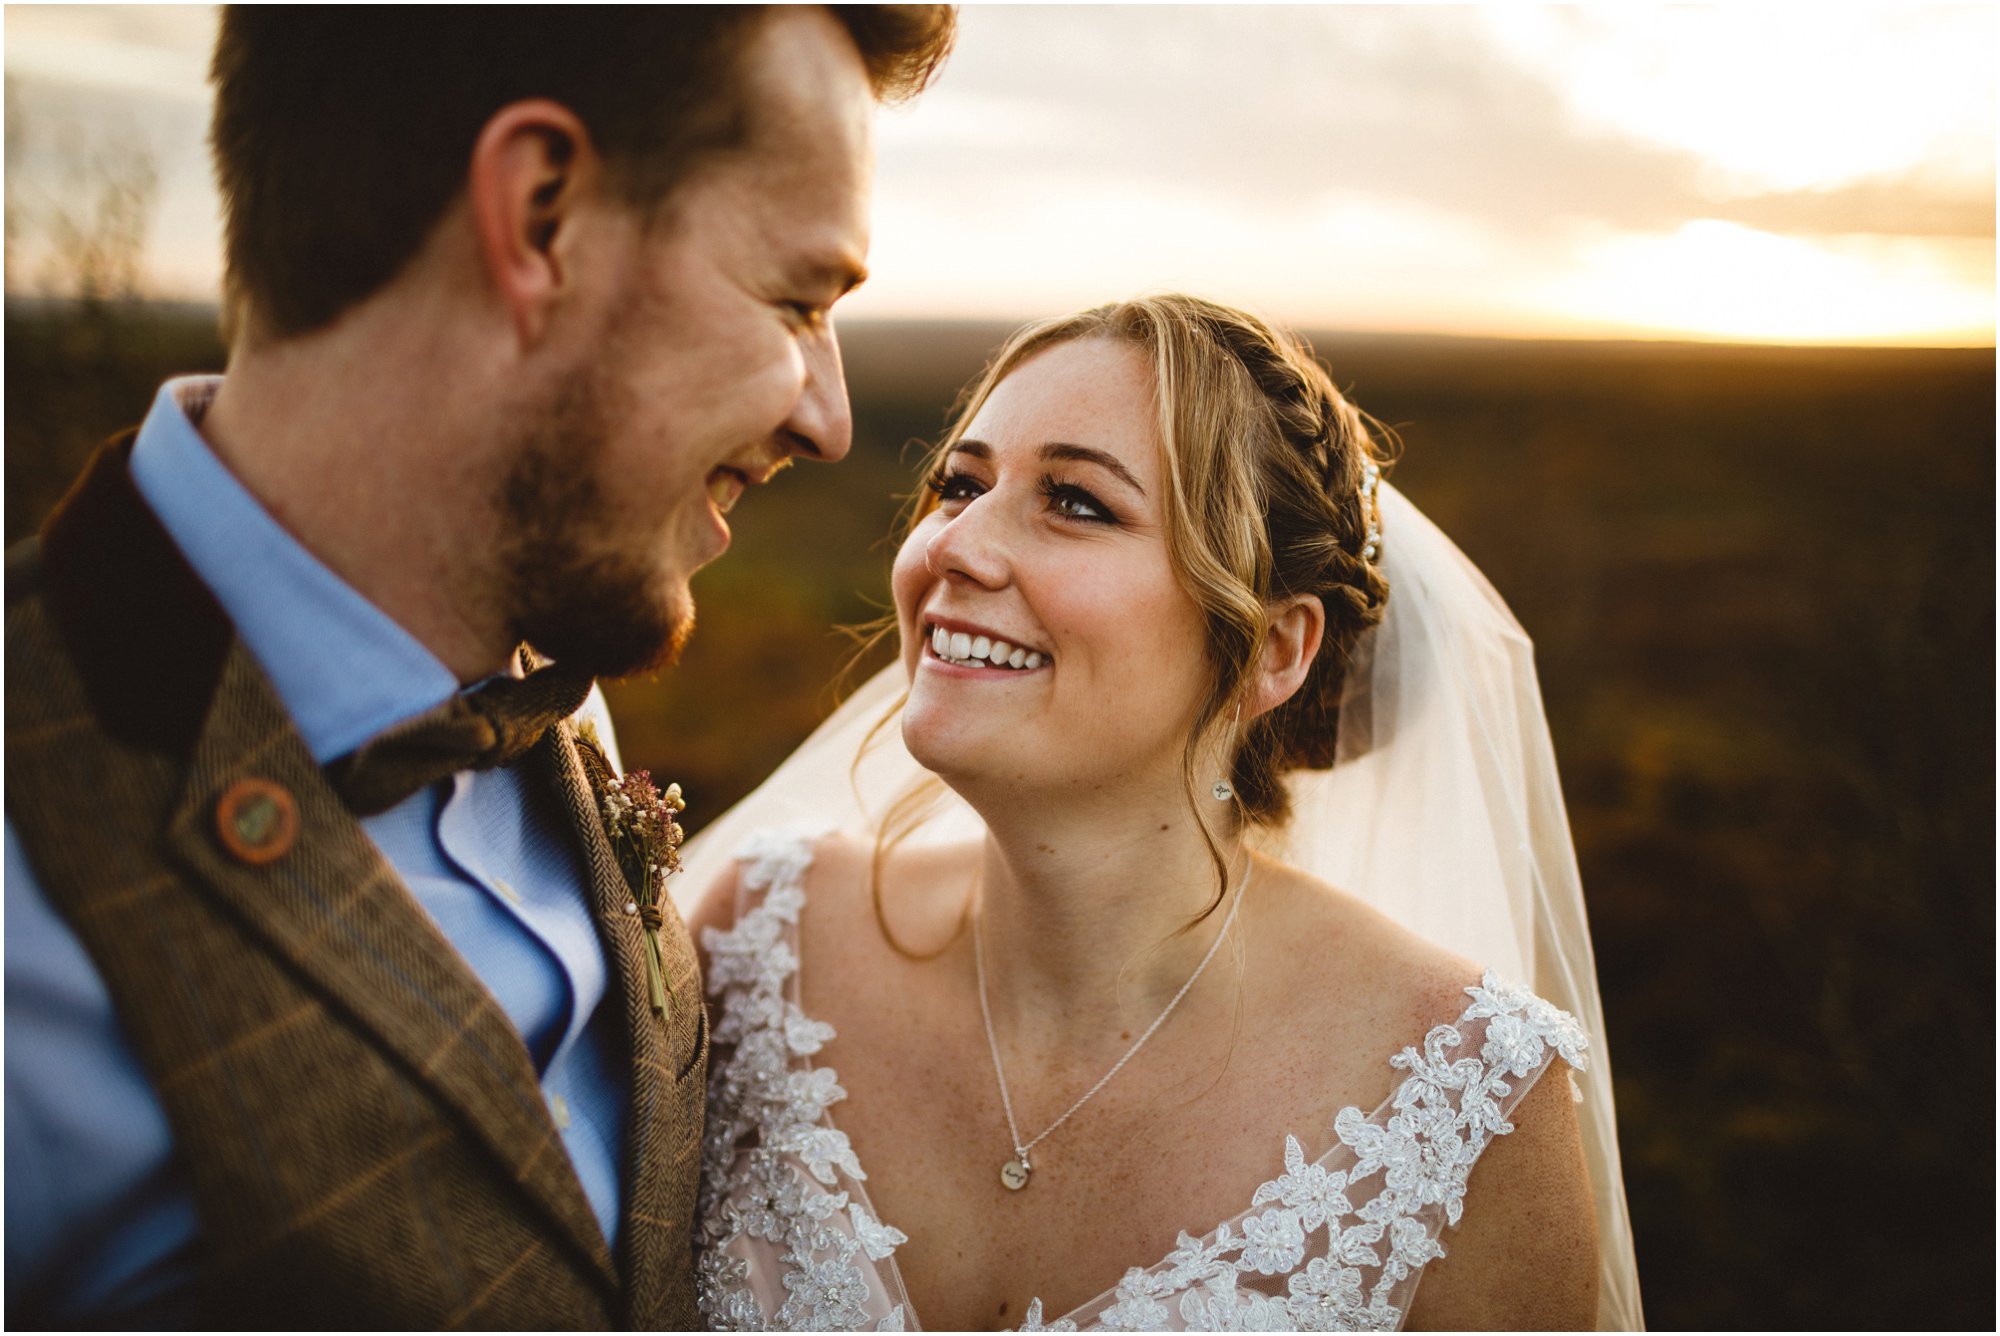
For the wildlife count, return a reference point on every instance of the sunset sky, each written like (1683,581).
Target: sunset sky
(1759,172)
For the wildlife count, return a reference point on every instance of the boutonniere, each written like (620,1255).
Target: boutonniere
(640,821)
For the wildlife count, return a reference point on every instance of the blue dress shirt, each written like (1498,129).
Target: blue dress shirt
(100,1222)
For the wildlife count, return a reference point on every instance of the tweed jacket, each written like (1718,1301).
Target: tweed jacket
(364,1129)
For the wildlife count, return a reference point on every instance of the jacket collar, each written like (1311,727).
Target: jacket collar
(147,637)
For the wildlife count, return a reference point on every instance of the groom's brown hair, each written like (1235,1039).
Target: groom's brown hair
(341,134)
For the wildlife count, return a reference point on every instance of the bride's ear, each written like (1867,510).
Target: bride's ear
(1297,626)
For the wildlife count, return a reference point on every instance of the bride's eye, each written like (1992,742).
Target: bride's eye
(950,486)
(1072,502)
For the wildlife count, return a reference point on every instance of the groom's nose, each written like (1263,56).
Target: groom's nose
(821,425)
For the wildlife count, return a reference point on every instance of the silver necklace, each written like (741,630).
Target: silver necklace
(1014,1174)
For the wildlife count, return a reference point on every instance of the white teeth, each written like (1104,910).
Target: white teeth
(724,489)
(970,651)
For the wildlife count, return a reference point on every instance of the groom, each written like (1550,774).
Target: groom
(327,1001)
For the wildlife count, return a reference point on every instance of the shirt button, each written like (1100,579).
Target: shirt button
(501,885)
(560,1107)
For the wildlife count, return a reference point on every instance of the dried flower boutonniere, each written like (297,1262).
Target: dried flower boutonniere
(645,837)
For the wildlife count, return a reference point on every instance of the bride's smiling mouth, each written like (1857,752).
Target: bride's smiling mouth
(968,647)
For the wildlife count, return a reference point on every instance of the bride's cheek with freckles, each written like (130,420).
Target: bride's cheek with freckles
(908,580)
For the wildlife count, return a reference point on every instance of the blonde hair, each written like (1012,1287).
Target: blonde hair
(1264,462)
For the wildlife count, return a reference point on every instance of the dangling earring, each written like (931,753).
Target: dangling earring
(1222,792)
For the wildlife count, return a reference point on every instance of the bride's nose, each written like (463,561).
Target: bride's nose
(969,547)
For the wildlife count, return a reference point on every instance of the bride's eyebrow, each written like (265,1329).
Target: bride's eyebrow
(1081,454)
(1084,454)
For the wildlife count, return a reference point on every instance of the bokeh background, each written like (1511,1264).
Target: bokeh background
(1685,317)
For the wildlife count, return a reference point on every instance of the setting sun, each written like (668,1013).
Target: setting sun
(1720,280)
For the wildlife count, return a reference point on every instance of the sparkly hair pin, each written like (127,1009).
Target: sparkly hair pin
(1371,511)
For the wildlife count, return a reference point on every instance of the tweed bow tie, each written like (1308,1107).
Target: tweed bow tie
(489,727)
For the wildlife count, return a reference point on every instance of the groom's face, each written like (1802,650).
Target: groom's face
(714,365)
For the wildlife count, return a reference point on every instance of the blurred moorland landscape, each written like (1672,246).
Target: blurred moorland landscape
(1760,582)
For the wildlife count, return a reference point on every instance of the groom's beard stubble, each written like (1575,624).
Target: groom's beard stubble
(576,598)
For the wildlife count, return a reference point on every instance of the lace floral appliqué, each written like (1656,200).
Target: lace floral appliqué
(788,1241)
(1347,1234)
(774,1169)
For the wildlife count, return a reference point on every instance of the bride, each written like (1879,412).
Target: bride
(1198,992)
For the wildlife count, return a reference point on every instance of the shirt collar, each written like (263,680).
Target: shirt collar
(343,668)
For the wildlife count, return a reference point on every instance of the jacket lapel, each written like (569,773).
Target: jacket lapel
(330,907)
(663,1128)
(335,912)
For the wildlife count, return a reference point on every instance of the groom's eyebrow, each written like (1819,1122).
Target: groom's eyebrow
(842,272)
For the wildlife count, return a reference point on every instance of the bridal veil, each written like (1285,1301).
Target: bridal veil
(1442,809)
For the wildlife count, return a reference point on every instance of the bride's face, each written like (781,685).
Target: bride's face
(1047,639)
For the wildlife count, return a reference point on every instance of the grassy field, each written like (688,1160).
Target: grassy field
(1760,583)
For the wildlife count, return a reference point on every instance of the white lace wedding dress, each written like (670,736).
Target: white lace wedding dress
(788,1239)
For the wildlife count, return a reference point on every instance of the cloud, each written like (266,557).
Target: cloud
(1776,98)
(1371,166)
(1267,108)
(160,51)
(1909,206)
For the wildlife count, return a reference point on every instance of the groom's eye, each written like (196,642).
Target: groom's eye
(804,316)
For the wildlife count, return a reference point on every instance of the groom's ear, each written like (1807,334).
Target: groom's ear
(1297,625)
(532,166)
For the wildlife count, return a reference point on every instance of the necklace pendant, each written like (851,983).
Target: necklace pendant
(1014,1174)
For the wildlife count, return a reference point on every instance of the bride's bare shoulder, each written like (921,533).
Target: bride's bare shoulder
(844,877)
(714,907)
(835,859)
(853,885)
(1355,962)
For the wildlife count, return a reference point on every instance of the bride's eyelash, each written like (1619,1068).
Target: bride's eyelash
(955,485)
(1059,493)
(944,481)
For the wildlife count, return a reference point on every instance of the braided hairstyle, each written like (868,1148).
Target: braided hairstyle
(1265,464)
